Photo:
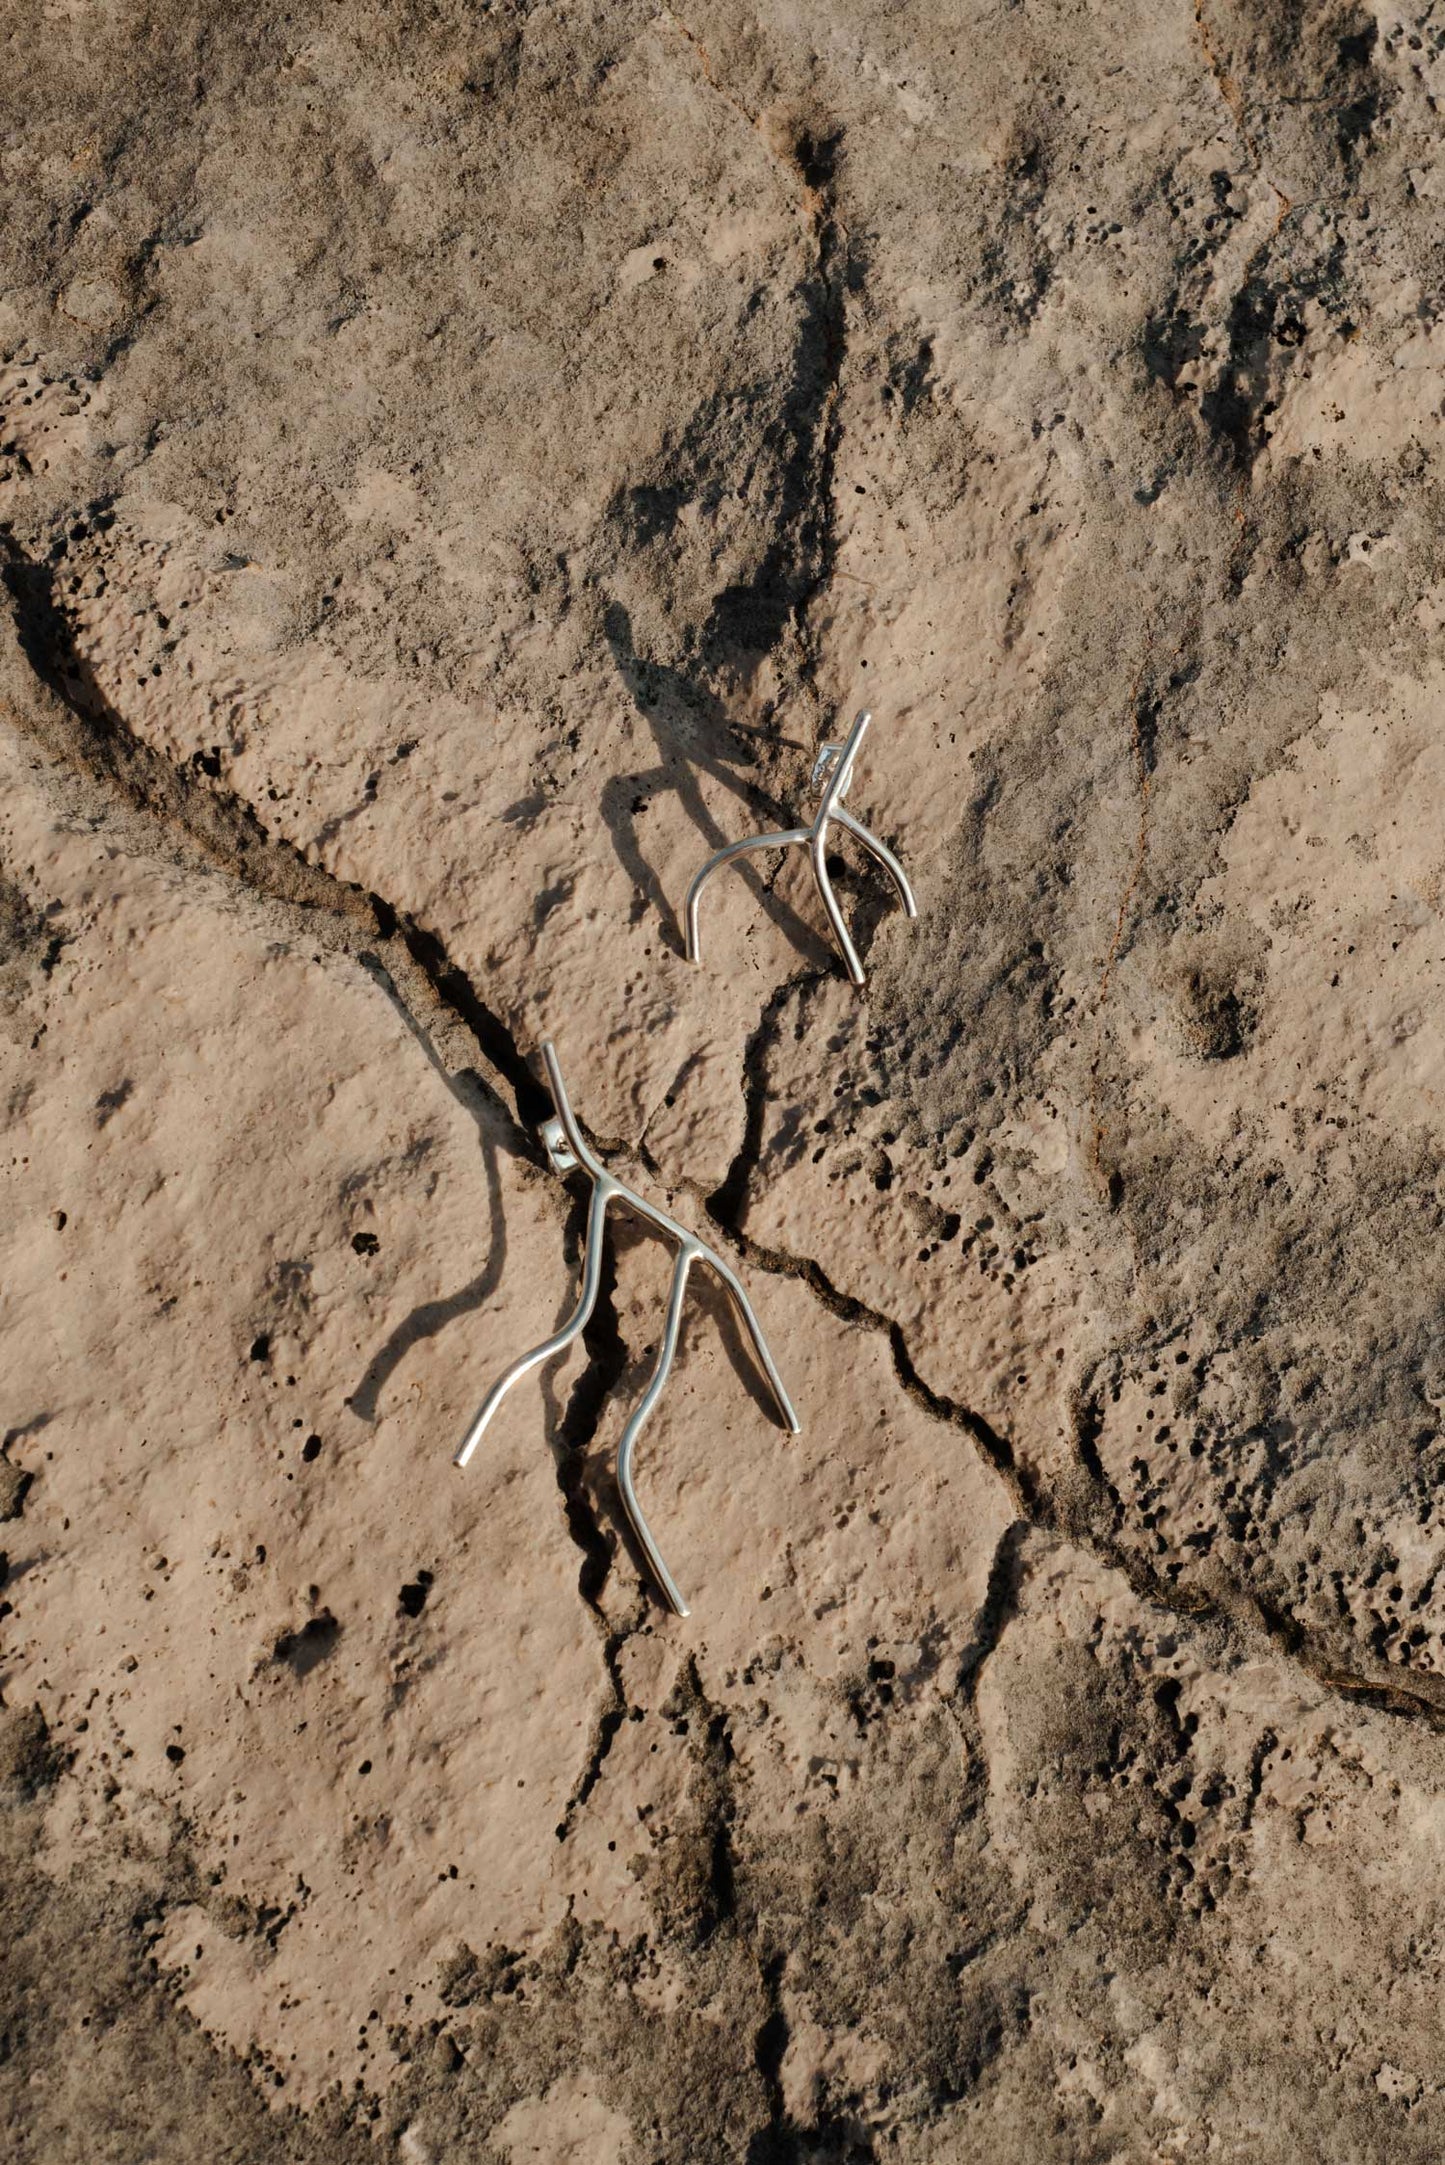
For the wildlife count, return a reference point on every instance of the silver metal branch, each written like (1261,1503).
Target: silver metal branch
(834,768)
(567,1150)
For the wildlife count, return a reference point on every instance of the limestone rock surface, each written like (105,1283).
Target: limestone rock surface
(458,464)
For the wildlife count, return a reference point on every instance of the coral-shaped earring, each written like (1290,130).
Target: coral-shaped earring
(567,1150)
(834,768)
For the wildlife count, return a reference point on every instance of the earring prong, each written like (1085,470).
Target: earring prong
(671,1332)
(560,1340)
(832,772)
(567,1150)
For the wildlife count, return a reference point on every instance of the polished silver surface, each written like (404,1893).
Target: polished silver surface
(834,768)
(567,1150)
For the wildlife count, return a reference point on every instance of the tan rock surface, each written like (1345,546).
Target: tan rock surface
(456,466)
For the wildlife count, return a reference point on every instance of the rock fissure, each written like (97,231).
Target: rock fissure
(223,833)
(607,1362)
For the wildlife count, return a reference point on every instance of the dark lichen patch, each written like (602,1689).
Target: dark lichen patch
(466,1978)
(97,2056)
(29,1760)
(30,947)
(1217,1016)
(14,1486)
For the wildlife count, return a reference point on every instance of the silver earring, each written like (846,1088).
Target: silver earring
(835,761)
(567,1150)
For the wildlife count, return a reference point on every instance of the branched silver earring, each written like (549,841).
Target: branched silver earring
(567,1150)
(834,768)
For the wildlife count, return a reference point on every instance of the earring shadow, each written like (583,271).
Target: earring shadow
(430,1317)
(496,1139)
(715,1304)
(686,723)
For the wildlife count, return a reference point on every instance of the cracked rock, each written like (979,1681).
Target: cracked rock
(456,467)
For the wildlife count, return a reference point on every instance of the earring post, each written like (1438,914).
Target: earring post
(568,1150)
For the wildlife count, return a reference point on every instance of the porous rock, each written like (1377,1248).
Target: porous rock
(456,467)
